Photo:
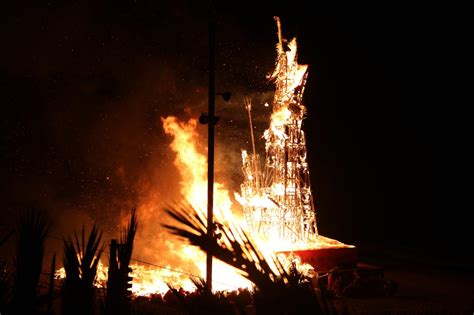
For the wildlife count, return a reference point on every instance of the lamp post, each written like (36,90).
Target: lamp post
(211,120)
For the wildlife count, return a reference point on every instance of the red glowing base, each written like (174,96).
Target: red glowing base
(325,259)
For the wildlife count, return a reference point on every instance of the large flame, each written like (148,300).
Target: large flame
(191,163)
(190,261)
(192,166)
(269,201)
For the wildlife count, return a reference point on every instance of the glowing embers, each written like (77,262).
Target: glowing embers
(277,198)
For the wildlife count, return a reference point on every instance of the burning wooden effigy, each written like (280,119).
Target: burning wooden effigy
(276,192)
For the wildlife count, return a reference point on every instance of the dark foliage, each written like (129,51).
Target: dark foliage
(32,228)
(202,301)
(118,295)
(81,259)
(277,292)
(50,296)
(233,247)
(4,277)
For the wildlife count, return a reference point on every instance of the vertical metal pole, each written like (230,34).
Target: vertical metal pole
(210,145)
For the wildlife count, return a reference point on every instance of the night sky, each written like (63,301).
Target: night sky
(83,86)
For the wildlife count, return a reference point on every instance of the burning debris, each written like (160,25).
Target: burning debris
(277,198)
(279,213)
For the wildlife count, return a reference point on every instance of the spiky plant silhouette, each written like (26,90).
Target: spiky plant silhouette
(81,258)
(4,277)
(202,301)
(32,228)
(278,290)
(50,296)
(118,295)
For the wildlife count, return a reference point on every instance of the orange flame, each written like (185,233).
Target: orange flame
(192,166)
